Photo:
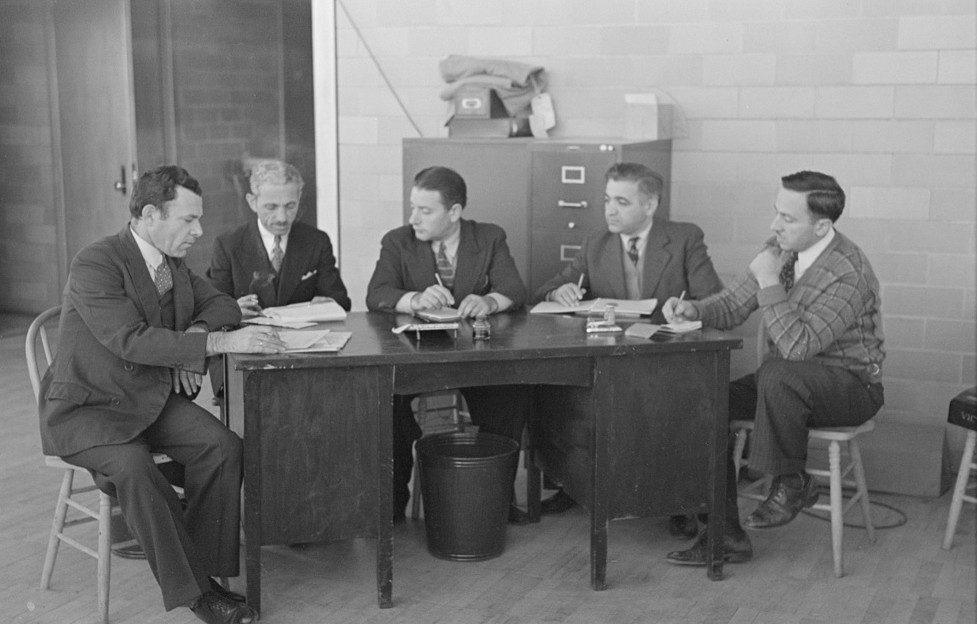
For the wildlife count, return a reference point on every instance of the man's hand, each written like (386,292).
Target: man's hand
(321,299)
(249,306)
(250,339)
(187,382)
(434,297)
(474,305)
(568,295)
(766,267)
(677,310)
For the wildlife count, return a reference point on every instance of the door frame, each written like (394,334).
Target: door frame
(326,120)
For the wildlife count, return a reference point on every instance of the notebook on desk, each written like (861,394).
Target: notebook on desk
(441,315)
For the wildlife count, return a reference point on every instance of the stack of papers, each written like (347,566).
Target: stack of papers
(647,330)
(624,307)
(299,315)
(681,327)
(313,341)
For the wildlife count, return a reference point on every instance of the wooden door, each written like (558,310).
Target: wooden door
(93,57)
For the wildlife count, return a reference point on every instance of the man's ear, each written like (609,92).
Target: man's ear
(252,201)
(149,210)
(822,226)
(455,211)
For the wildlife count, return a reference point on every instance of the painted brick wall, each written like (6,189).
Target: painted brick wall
(879,93)
(28,233)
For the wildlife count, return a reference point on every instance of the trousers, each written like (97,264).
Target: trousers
(184,548)
(784,399)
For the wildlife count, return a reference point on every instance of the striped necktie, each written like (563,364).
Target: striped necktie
(445,268)
(277,254)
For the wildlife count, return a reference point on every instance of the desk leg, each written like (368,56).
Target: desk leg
(252,493)
(717,516)
(598,547)
(384,489)
(533,481)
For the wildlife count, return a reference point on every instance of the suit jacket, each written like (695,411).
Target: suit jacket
(483,265)
(675,260)
(111,374)
(308,269)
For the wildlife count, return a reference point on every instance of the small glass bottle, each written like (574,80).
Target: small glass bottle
(610,316)
(481,330)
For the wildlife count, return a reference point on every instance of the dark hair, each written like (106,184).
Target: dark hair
(445,181)
(649,183)
(825,198)
(158,186)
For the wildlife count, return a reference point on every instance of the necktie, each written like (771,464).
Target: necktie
(277,254)
(163,279)
(633,250)
(445,269)
(787,271)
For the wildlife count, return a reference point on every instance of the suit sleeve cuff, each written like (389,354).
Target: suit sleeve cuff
(771,295)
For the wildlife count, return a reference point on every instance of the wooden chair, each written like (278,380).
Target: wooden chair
(963,413)
(431,406)
(835,475)
(67,497)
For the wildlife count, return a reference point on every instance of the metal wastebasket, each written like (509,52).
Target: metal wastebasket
(466,486)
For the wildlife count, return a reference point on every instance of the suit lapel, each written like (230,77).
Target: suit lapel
(296,257)
(421,264)
(610,265)
(656,259)
(142,281)
(182,294)
(466,262)
(255,260)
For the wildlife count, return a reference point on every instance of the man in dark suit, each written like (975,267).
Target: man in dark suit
(637,257)
(135,329)
(441,260)
(275,260)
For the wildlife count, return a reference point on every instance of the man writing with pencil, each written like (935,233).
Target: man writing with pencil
(440,260)
(637,257)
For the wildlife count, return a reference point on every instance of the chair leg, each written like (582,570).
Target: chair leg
(837,517)
(104,553)
(57,526)
(859,469)
(959,490)
(415,493)
(739,448)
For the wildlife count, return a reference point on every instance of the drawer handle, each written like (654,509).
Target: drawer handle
(566,204)
(568,252)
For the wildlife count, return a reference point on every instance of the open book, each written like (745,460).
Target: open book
(623,307)
(441,315)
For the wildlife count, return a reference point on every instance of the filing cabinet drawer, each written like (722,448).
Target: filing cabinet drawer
(551,250)
(568,189)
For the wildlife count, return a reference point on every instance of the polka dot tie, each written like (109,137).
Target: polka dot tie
(787,271)
(163,279)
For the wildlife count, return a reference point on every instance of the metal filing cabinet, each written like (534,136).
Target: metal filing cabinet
(547,194)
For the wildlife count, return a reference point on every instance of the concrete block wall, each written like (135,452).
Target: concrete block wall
(879,93)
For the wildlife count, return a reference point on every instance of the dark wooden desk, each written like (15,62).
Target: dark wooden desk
(631,427)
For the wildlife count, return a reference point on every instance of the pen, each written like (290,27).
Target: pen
(437,276)
(580,281)
(682,296)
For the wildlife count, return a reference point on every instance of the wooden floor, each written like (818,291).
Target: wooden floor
(543,575)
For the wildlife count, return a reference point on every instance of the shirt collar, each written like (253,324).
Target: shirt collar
(268,239)
(450,245)
(151,256)
(642,239)
(807,257)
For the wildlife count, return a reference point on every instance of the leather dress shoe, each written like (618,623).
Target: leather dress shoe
(557,503)
(683,526)
(216,587)
(517,516)
(783,503)
(736,549)
(214,608)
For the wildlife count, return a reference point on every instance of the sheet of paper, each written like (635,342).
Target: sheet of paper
(551,307)
(325,340)
(263,320)
(307,312)
(681,327)
(640,307)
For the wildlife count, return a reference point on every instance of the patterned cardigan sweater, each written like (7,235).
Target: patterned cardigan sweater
(832,315)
